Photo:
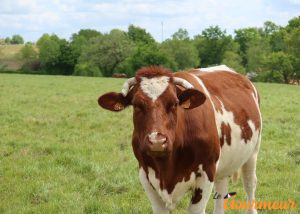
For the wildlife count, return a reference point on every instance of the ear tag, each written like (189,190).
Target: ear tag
(186,104)
(118,107)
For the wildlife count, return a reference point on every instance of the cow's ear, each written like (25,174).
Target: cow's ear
(191,98)
(113,101)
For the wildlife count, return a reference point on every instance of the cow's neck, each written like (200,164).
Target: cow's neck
(179,164)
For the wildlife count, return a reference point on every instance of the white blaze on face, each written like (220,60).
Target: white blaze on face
(154,87)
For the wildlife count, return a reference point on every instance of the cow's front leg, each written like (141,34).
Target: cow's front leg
(158,206)
(201,194)
(221,187)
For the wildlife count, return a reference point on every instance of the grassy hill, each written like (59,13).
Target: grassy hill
(61,153)
(9,57)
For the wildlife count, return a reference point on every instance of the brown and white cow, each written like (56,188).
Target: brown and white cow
(192,130)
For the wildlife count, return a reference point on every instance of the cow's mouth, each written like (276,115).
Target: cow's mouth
(158,154)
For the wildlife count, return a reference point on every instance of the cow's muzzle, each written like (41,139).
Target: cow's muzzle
(157,142)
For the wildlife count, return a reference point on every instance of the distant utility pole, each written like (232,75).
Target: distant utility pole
(162,31)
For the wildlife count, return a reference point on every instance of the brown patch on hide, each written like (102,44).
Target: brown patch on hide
(225,134)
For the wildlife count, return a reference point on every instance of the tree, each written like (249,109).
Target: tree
(181,34)
(67,59)
(30,57)
(87,69)
(293,23)
(148,56)
(212,45)
(280,66)
(233,60)
(17,39)
(269,28)
(42,39)
(243,37)
(28,53)
(183,53)
(277,40)
(139,35)
(292,47)
(80,40)
(7,40)
(86,33)
(49,51)
(108,51)
(257,54)
(56,55)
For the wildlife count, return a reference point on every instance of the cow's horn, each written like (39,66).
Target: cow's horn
(182,82)
(127,85)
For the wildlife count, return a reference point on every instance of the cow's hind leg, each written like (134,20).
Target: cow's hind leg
(221,187)
(201,195)
(249,178)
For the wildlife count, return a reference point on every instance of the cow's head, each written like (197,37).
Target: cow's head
(157,98)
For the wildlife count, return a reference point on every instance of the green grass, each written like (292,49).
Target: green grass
(61,153)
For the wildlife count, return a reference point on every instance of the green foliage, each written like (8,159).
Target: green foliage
(212,45)
(257,54)
(270,28)
(139,35)
(181,34)
(7,40)
(146,52)
(87,69)
(183,53)
(294,23)
(280,66)
(233,60)
(28,53)
(56,55)
(16,39)
(277,40)
(30,57)
(251,50)
(149,55)
(244,37)
(49,51)
(86,33)
(80,40)
(108,51)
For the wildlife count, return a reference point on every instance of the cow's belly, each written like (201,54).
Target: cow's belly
(236,150)
(233,156)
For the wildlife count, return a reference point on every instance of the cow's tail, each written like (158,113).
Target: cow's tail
(236,176)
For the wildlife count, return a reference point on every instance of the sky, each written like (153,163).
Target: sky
(32,18)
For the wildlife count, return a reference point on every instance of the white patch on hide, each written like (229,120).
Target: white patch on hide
(157,203)
(154,87)
(217,68)
(206,186)
(179,190)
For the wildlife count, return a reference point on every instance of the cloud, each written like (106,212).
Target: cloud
(32,18)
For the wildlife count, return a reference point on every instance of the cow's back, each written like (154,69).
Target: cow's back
(236,105)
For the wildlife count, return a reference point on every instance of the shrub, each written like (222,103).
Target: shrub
(87,69)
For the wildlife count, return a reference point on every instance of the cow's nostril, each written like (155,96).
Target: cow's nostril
(157,138)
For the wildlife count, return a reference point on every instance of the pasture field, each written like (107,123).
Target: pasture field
(61,153)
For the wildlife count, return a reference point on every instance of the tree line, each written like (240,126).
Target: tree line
(270,53)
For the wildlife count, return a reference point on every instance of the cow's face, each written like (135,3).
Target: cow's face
(156,100)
